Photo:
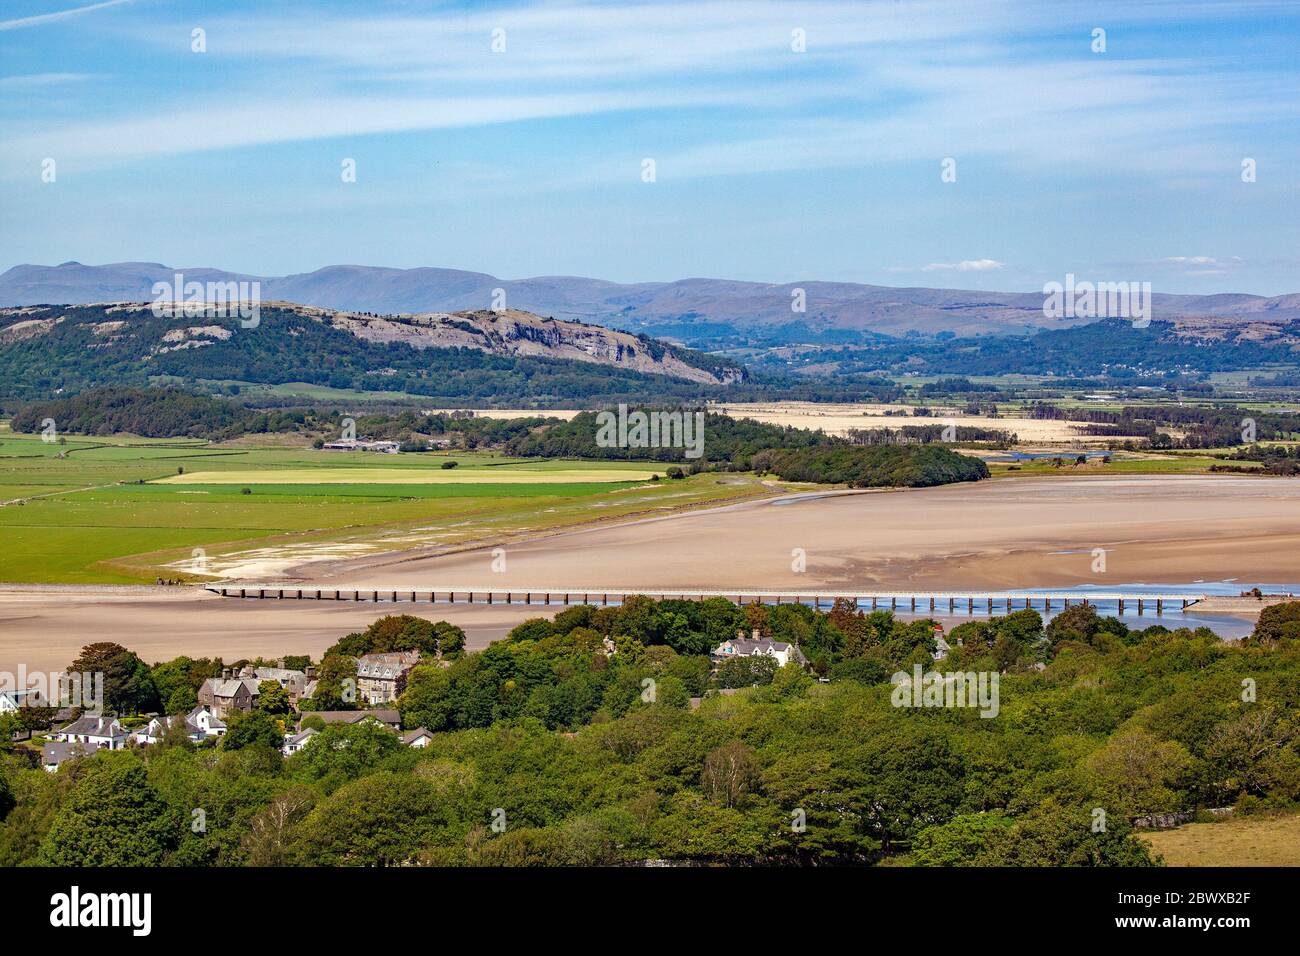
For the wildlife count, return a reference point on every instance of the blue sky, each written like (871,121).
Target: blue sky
(770,164)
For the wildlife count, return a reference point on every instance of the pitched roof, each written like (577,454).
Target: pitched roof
(301,736)
(748,647)
(281,674)
(353,716)
(215,722)
(411,736)
(230,687)
(386,666)
(155,727)
(94,727)
(57,752)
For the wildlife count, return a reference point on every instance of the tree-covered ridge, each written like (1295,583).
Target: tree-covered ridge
(152,413)
(553,753)
(46,349)
(880,466)
(794,454)
(1108,347)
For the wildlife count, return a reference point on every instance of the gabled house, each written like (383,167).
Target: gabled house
(296,742)
(54,755)
(94,733)
(205,720)
(225,695)
(387,718)
(154,731)
(382,677)
(941,646)
(755,646)
(12,700)
(419,737)
(293,681)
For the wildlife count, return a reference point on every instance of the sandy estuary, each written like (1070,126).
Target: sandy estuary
(1003,534)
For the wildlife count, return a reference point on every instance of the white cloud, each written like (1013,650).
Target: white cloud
(966,265)
(57,15)
(880,83)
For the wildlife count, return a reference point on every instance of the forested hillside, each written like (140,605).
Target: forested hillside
(48,349)
(554,736)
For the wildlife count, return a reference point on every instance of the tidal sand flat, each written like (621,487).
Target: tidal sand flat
(45,628)
(1012,533)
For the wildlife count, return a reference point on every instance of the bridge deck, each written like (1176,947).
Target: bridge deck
(572,595)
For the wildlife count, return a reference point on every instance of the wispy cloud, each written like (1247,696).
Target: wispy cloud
(965,265)
(43,18)
(878,83)
(44,79)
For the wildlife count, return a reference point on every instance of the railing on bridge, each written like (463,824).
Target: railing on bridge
(969,601)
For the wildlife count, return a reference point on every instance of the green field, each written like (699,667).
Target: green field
(120,510)
(411,476)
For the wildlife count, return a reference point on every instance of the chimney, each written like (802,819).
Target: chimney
(755,634)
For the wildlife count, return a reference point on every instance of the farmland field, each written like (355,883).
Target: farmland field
(130,510)
(1248,841)
(411,476)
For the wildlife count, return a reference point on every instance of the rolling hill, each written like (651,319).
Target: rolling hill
(701,312)
(484,355)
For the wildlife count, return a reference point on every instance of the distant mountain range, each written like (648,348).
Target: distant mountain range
(702,313)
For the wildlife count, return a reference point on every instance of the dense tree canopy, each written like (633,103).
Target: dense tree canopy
(574,741)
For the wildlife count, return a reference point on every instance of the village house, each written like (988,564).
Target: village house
(756,646)
(387,718)
(419,737)
(354,444)
(12,700)
(295,742)
(205,720)
(94,733)
(154,731)
(941,645)
(294,682)
(54,755)
(225,695)
(382,677)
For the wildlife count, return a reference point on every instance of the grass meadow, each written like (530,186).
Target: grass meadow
(1239,841)
(127,510)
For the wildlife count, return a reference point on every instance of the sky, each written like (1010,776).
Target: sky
(951,143)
